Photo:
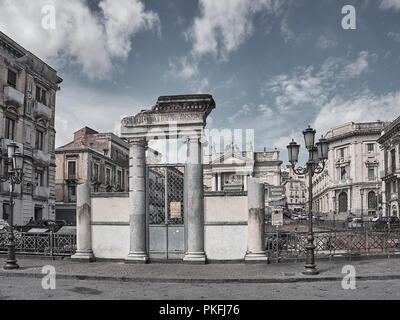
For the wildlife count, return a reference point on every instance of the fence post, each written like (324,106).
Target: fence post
(51,243)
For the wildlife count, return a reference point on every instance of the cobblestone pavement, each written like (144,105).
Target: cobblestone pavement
(28,288)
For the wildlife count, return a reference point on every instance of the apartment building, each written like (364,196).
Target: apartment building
(390,145)
(350,182)
(101,158)
(295,189)
(28,88)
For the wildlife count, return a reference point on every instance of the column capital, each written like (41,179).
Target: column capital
(138,141)
(195,138)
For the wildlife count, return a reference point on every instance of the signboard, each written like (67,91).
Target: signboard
(175,210)
(277,218)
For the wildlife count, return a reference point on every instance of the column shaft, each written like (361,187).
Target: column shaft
(83,224)
(137,202)
(256,222)
(195,203)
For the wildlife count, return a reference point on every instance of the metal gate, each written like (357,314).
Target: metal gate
(166,233)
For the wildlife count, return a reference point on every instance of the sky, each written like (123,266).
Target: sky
(274,66)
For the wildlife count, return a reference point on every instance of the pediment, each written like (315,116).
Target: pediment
(233,158)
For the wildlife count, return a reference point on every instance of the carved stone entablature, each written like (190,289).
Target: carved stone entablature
(177,116)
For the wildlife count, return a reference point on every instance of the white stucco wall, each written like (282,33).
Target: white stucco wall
(225,209)
(110,227)
(225,242)
(110,209)
(225,230)
(110,241)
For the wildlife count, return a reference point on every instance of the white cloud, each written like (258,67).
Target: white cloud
(364,107)
(81,37)
(78,107)
(221,28)
(390,4)
(313,85)
(326,41)
(224,24)
(394,36)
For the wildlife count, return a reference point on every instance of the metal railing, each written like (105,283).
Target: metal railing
(286,246)
(46,244)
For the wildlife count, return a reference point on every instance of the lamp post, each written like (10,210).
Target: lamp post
(14,176)
(334,212)
(362,207)
(317,156)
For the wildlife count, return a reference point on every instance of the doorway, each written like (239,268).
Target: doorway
(166,211)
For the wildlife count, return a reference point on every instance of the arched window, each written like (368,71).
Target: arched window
(372,202)
(343,202)
(394,211)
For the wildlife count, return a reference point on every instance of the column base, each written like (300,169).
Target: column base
(310,270)
(256,257)
(195,258)
(83,256)
(140,258)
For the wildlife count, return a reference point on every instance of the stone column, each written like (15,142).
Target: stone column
(84,251)
(219,186)
(214,182)
(256,222)
(245,179)
(137,201)
(195,202)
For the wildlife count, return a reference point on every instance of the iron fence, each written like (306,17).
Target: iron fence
(46,244)
(283,246)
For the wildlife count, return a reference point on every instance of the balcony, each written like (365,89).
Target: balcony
(13,97)
(390,172)
(41,193)
(343,182)
(41,158)
(41,111)
(5,188)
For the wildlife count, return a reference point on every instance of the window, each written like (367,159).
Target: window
(393,157)
(39,178)
(372,201)
(108,176)
(343,202)
(41,95)
(119,179)
(6,212)
(12,79)
(95,172)
(72,193)
(38,213)
(71,169)
(39,139)
(343,173)
(9,129)
(341,153)
(371,174)
(370,148)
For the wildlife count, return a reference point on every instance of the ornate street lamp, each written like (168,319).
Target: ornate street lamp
(14,176)
(317,156)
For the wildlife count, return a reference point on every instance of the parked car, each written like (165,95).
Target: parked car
(356,223)
(51,225)
(383,223)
